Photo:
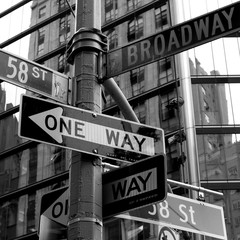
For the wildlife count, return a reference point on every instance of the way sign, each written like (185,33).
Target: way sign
(181,37)
(185,214)
(135,185)
(86,131)
(34,77)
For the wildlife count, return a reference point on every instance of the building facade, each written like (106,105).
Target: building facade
(39,30)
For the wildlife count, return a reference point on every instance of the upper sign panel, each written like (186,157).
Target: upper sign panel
(181,37)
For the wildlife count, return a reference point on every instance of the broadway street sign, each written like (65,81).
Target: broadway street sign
(135,185)
(86,131)
(185,214)
(181,37)
(34,77)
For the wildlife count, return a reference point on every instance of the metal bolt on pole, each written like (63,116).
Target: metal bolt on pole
(84,50)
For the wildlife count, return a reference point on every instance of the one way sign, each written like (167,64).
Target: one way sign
(86,131)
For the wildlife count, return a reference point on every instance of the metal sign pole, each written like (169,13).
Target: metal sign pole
(84,51)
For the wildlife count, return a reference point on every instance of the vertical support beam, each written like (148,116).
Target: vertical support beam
(85,213)
(182,60)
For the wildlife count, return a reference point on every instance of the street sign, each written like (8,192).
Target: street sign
(185,214)
(54,205)
(135,185)
(54,214)
(34,77)
(181,37)
(85,131)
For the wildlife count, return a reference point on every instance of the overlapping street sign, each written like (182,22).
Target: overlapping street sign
(181,37)
(86,131)
(54,214)
(185,214)
(34,77)
(55,205)
(135,185)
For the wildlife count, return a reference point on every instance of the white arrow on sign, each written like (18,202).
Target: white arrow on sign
(48,118)
(56,125)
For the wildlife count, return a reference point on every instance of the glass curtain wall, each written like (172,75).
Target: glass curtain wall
(30,30)
(215,85)
(39,30)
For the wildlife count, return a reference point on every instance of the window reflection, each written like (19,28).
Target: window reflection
(111,10)
(9,96)
(216,104)
(161,18)
(216,58)
(219,156)
(140,111)
(30,166)
(231,206)
(165,70)
(20,215)
(64,29)
(129,230)
(41,38)
(9,129)
(14,23)
(145,109)
(132,4)
(137,81)
(135,28)
(112,38)
(42,12)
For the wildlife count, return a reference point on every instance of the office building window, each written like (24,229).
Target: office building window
(205,105)
(133,4)
(135,28)
(165,70)
(137,81)
(31,213)
(140,111)
(63,67)
(41,37)
(111,10)
(203,90)
(42,12)
(113,39)
(218,156)
(61,63)
(62,5)
(161,17)
(167,111)
(207,119)
(64,29)
(236,205)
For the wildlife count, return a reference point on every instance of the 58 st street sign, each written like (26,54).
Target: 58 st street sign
(34,77)
(86,131)
(185,214)
(181,37)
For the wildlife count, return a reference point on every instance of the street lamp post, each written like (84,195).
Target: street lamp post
(84,53)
